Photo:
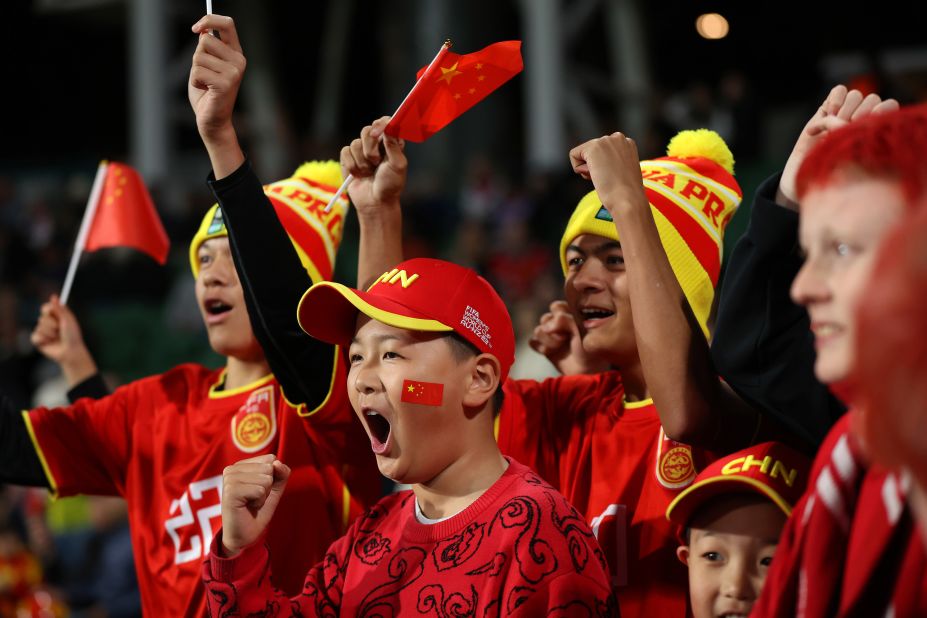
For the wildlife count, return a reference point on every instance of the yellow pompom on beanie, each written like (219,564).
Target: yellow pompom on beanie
(299,202)
(693,195)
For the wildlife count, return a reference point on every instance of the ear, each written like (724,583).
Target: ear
(682,552)
(485,374)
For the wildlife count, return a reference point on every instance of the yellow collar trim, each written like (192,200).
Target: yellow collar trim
(634,405)
(215,393)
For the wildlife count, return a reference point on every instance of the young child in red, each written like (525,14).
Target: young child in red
(478,534)
(730,520)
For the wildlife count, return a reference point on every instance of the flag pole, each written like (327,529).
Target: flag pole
(85,223)
(427,72)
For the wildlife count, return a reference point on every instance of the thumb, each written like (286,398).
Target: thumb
(394,151)
(281,475)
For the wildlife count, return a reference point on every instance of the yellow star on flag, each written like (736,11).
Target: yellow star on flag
(411,389)
(449,73)
(479,65)
(472,90)
(480,78)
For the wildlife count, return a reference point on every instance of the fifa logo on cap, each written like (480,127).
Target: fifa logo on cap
(395,275)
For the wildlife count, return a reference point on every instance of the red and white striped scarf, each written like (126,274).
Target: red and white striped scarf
(850,547)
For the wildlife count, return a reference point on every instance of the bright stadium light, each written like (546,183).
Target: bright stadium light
(712,26)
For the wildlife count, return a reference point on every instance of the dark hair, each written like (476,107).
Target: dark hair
(463,350)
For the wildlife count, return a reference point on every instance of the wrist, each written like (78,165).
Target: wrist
(785,201)
(78,368)
(227,552)
(383,211)
(218,135)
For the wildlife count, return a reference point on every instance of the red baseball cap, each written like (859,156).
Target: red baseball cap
(770,469)
(419,294)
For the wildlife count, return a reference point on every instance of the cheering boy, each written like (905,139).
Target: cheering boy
(429,345)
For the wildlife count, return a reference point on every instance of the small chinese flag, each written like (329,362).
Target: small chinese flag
(126,217)
(425,393)
(450,86)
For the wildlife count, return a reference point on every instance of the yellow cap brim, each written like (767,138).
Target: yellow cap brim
(328,312)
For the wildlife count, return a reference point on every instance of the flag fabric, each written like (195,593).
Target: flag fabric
(452,85)
(424,393)
(126,217)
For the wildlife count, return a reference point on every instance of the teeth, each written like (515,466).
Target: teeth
(825,330)
(371,413)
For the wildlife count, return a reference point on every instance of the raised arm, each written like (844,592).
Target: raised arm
(763,345)
(237,572)
(378,164)
(674,354)
(58,337)
(268,266)
(270,270)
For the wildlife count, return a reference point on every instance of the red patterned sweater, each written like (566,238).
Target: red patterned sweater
(519,550)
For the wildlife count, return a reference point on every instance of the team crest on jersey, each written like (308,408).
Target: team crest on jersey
(255,423)
(675,465)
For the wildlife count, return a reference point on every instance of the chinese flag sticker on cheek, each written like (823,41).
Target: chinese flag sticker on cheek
(424,393)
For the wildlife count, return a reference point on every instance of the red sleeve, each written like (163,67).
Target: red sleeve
(85,447)
(570,594)
(539,420)
(241,586)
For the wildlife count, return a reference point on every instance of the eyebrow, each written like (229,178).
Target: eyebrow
(377,338)
(605,246)
(716,533)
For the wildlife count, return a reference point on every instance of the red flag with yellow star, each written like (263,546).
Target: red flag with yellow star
(126,217)
(425,393)
(452,85)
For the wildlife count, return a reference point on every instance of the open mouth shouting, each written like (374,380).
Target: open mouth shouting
(216,310)
(594,316)
(379,430)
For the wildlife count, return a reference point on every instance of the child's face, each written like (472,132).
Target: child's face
(222,302)
(413,442)
(841,228)
(731,545)
(596,289)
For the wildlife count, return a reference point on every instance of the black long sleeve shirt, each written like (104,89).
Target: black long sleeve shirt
(763,346)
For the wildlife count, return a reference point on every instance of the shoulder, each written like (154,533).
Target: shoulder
(179,384)
(550,507)
(606,383)
(560,542)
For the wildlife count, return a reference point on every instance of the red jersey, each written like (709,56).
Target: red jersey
(519,550)
(163,442)
(612,461)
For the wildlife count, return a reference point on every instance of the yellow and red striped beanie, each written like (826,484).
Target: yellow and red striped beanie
(299,202)
(693,195)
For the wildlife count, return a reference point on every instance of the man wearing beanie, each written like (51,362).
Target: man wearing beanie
(600,438)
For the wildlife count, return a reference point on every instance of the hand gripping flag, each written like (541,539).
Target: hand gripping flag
(451,85)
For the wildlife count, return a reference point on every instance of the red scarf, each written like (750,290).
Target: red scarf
(851,547)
